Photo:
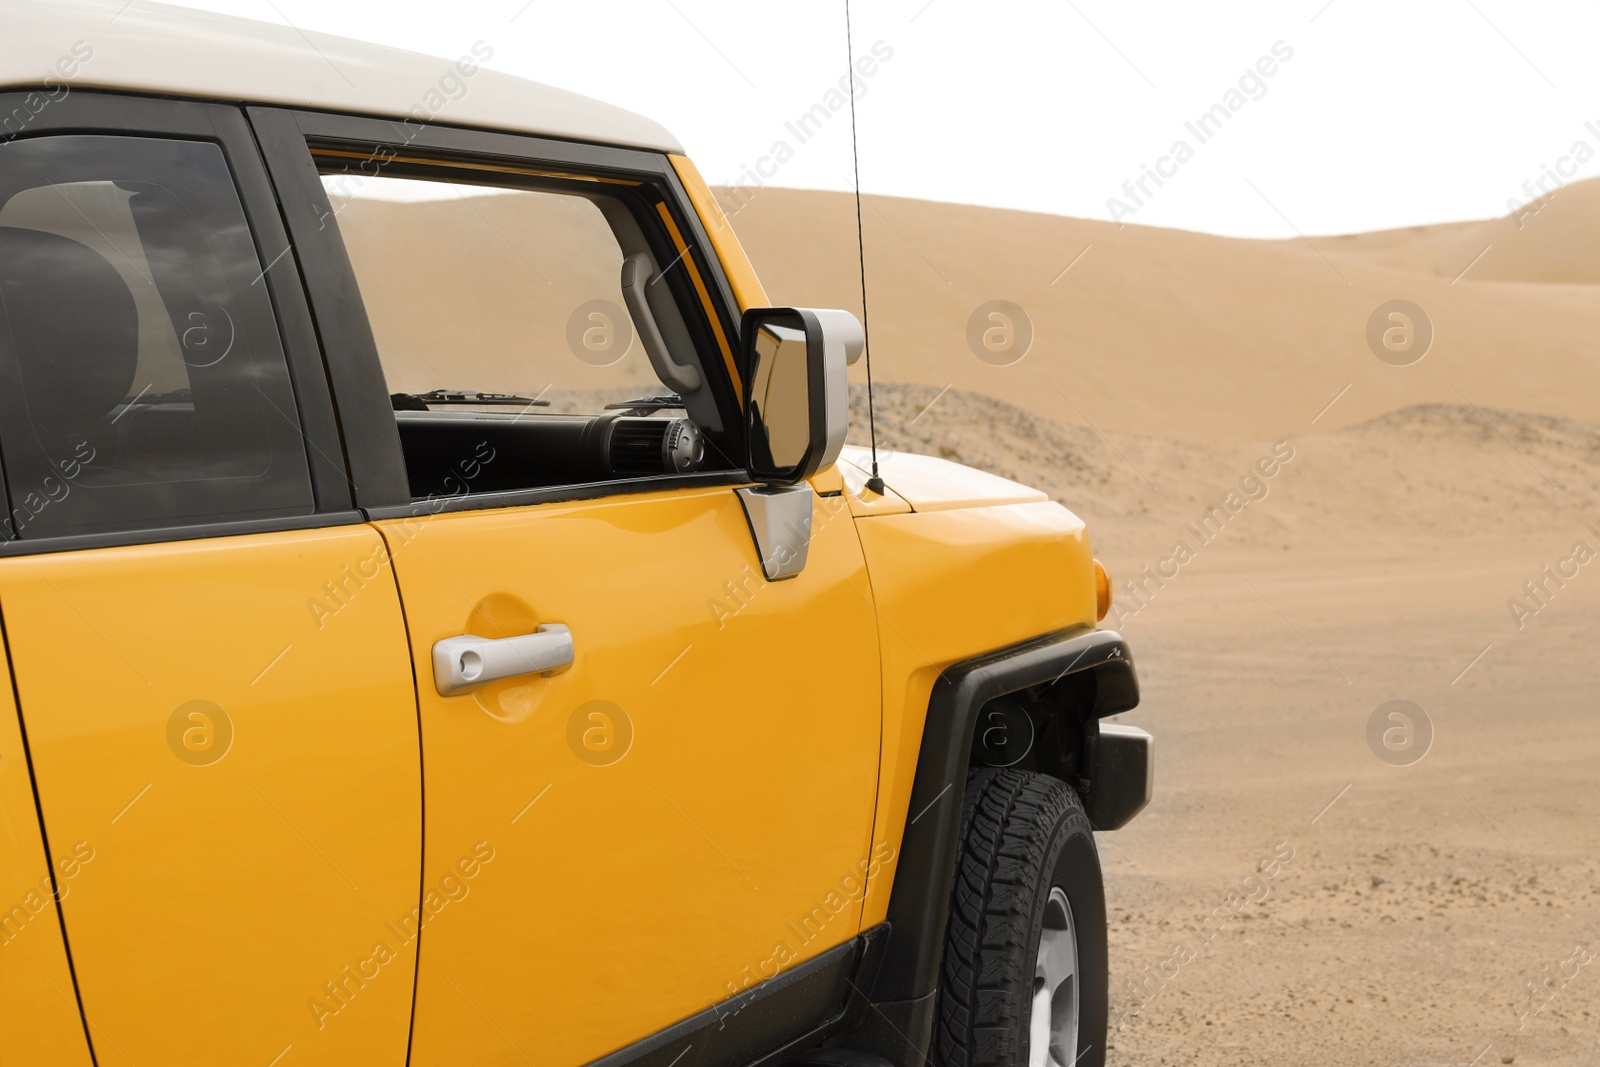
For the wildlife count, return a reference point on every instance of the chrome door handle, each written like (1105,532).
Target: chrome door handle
(462,664)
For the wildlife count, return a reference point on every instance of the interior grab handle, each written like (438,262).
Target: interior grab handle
(462,664)
(636,280)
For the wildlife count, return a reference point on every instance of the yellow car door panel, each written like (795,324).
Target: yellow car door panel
(680,814)
(245,772)
(35,982)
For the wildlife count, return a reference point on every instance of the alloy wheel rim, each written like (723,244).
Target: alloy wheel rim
(1053,1020)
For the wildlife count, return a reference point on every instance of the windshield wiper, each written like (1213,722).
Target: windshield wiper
(647,405)
(421,401)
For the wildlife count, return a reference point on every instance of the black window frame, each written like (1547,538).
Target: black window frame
(133,115)
(288,138)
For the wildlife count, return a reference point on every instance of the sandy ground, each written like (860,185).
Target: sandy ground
(1431,914)
(1441,912)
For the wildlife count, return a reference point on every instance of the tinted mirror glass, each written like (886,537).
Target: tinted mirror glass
(780,412)
(783,404)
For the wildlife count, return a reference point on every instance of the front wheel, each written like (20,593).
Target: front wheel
(1024,978)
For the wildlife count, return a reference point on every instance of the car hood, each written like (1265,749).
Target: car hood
(930,484)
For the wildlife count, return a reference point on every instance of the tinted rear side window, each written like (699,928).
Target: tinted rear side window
(143,382)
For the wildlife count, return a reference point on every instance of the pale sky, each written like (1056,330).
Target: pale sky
(1383,114)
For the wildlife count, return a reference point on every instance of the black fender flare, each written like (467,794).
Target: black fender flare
(920,901)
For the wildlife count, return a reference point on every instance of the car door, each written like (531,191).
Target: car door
(35,981)
(685,809)
(228,780)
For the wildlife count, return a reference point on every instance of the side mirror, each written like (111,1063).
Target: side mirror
(796,397)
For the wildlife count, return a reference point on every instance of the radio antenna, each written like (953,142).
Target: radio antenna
(874,483)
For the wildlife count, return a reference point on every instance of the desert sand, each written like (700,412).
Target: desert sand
(1196,337)
(1420,901)
(1440,912)
(1438,906)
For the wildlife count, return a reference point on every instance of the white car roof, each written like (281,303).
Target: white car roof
(159,48)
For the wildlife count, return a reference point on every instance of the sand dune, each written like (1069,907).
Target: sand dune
(1192,336)
(1425,479)
(1550,240)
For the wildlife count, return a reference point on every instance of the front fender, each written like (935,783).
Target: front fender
(920,901)
(950,585)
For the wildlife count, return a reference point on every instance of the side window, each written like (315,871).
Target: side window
(530,336)
(142,379)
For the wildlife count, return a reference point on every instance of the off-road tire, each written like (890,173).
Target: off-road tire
(1021,835)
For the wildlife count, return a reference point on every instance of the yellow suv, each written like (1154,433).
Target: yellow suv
(443,623)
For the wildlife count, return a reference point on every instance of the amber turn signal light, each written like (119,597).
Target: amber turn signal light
(1102,591)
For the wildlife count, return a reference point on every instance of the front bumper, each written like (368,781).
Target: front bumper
(1121,775)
